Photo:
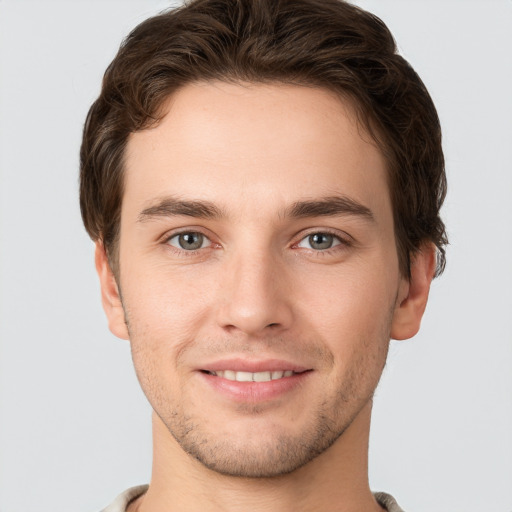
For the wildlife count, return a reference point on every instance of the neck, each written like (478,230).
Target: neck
(336,480)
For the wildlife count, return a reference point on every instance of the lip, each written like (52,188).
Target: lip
(254,392)
(253,366)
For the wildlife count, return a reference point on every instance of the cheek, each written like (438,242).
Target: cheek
(166,312)
(352,315)
(166,302)
(354,301)
(356,324)
(160,330)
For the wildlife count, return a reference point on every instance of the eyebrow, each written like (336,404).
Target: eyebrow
(329,206)
(171,207)
(324,207)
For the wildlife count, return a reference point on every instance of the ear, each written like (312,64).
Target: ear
(110,296)
(413,294)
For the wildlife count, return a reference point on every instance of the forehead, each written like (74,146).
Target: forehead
(242,144)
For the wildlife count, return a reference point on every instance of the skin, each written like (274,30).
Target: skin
(259,288)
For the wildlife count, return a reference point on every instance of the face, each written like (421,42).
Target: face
(258,273)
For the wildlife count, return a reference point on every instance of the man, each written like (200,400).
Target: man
(263,181)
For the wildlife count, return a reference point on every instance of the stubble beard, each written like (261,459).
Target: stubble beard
(273,453)
(254,457)
(280,452)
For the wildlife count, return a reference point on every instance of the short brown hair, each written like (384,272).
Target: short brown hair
(322,43)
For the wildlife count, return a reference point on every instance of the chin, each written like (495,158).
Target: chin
(258,453)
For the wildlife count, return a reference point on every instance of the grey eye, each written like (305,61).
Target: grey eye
(189,241)
(319,241)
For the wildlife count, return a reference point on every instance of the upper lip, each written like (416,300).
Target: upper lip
(253,366)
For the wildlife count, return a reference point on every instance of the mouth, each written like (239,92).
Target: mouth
(241,376)
(254,381)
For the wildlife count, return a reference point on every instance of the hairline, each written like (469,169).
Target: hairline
(366,123)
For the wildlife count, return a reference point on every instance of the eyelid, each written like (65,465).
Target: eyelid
(166,237)
(177,235)
(336,241)
(185,229)
(343,237)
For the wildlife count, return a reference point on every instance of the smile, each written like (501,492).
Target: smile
(252,377)
(249,381)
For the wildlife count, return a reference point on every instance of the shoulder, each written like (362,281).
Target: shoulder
(387,501)
(122,501)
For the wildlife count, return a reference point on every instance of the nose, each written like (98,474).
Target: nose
(255,295)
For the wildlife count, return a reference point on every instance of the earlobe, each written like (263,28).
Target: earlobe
(413,294)
(110,296)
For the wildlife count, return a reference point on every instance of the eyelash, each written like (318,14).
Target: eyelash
(344,242)
(183,252)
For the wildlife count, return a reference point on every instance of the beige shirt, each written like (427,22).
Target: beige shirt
(122,501)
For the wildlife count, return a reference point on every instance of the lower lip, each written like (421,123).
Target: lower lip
(255,391)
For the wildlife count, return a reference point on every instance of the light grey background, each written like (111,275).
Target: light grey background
(75,428)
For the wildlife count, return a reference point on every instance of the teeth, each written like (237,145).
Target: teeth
(243,376)
(252,377)
(261,377)
(229,374)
